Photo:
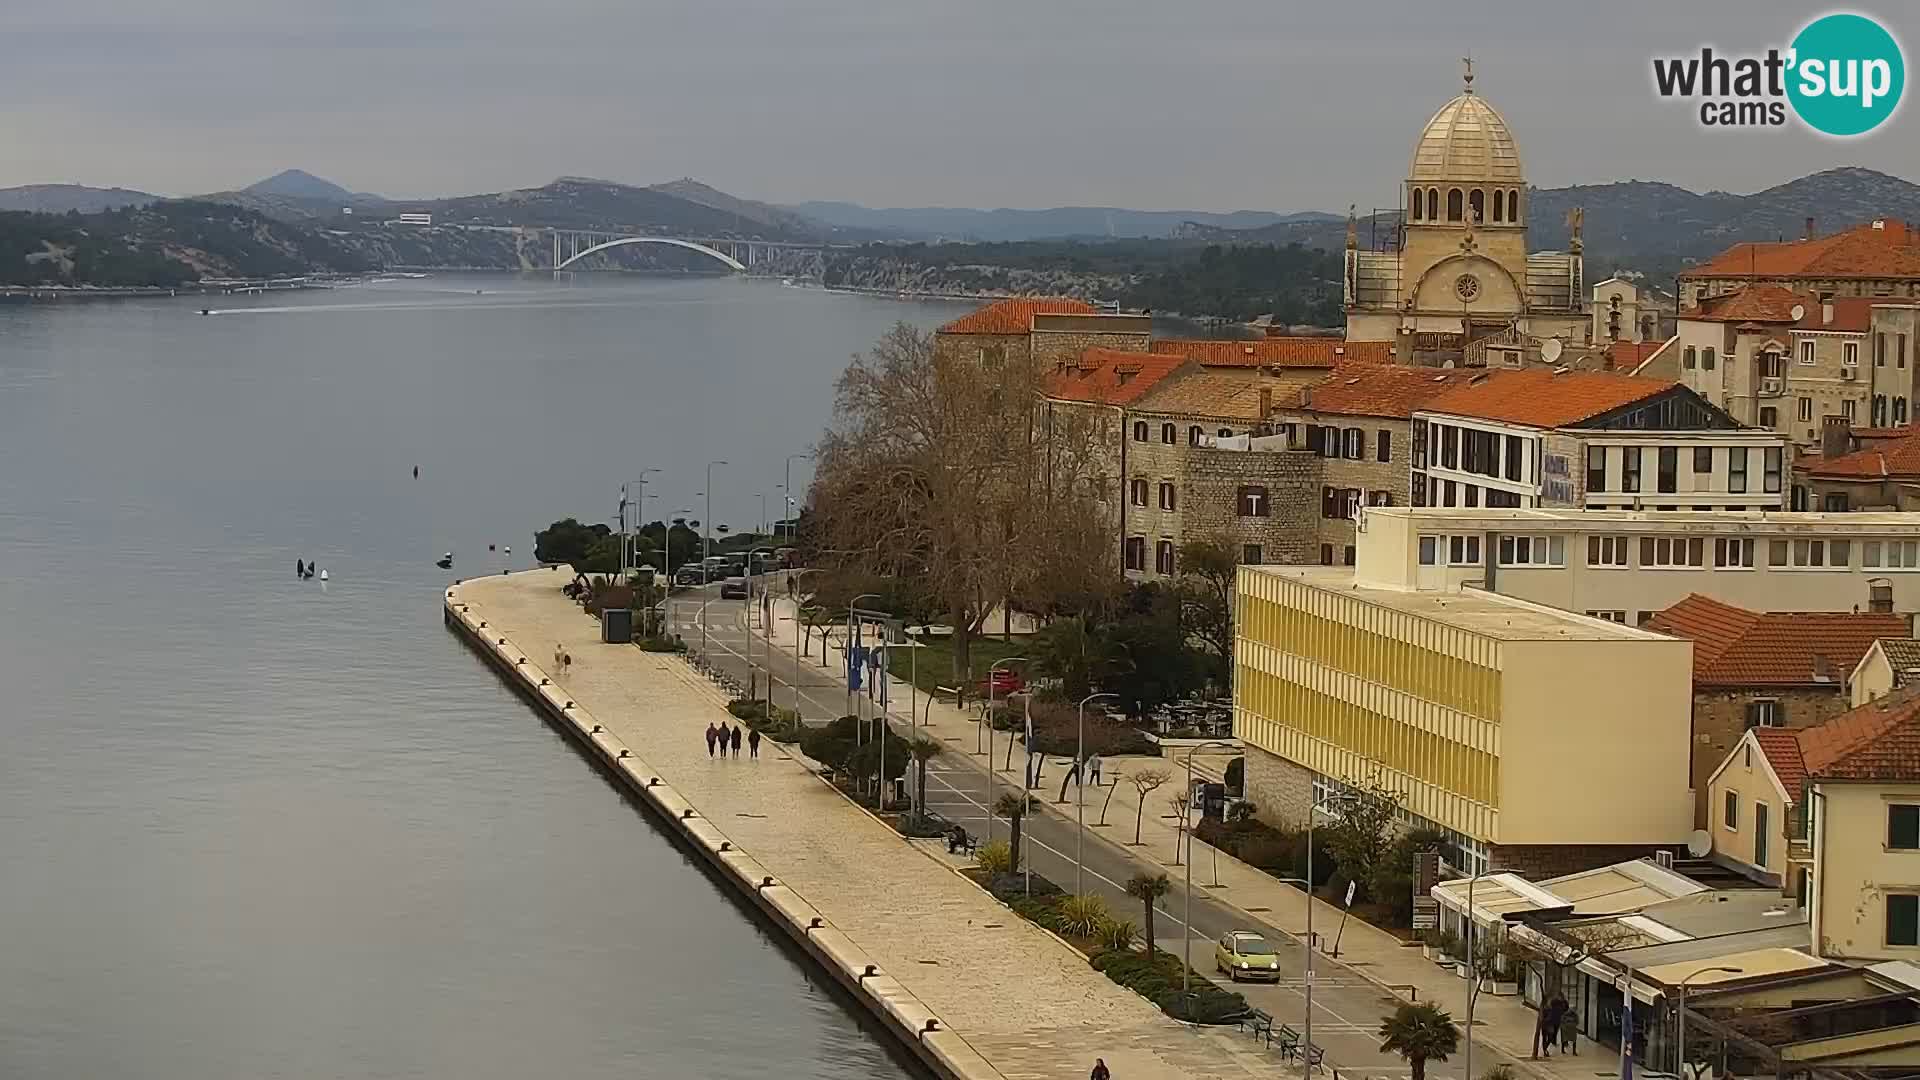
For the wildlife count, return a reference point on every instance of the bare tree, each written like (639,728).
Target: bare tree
(1146,782)
(1182,807)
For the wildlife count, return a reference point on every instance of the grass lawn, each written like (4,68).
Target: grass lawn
(935,660)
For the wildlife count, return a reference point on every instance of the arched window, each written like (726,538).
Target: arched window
(1226,433)
(1419,203)
(1477,202)
(1166,495)
(1194,435)
(1499,204)
(1456,204)
(1513,205)
(1433,204)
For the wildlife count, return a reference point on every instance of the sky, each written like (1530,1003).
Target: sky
(1200,104)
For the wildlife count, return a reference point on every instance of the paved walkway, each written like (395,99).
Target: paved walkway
(1503,1023)
(1023,999)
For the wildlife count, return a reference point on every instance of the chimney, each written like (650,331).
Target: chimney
(1266,402)
(1836,437)
(1809,233)
(1913,625)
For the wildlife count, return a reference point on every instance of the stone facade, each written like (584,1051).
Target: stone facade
(1266,498)
(1720,718)
(1281,791)
(1347,480)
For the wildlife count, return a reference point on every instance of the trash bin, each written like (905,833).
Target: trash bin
(616,626)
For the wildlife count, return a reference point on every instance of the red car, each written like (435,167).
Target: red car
(1003,681)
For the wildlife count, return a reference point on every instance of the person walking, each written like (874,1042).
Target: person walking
(712,734)
(1100,1070)
(1570,1031)
(753,743)
(736,740)
(1093,769)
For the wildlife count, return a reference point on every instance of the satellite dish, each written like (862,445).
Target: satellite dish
(1699,844)
(1799,312)
(1551,349)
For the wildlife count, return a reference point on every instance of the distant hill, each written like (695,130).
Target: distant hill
(163,243)
(300,184)
(580,202)
(758,213)
(62,198)
(960,224)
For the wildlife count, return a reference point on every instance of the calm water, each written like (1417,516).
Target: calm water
(253,827)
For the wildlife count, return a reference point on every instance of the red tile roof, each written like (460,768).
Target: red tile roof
(1015,316)
(1366,390)
(1112,376)
(1782,749)
(1755,303)
(1877,741)
(1851,314)
(1541,397)
(1736,647)
(1892,458)
(1300,352)
(1625,356)
(1890,251)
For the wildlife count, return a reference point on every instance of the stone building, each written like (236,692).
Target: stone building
(1462,269)
(1765,669)
(1003,330)
(1880,258)
(1861,469)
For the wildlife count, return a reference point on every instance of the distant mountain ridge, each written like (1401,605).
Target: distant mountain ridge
(70,198)
(964,224)
(301,184)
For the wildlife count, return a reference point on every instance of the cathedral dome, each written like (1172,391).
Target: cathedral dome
(1467,141)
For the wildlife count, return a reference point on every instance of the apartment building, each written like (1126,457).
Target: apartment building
(1881,472)
(1596,439)
(1533,738)
(1630,565)
(1880,258)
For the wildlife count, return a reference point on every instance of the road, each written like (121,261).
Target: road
(1346,1006)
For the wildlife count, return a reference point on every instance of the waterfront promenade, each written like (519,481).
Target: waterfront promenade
(1024,1002)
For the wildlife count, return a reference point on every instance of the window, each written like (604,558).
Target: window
(1764,712)
(1419,444)
(1417,489)
(1463,551)
(1676,551)
(1819,554)
(1419,204)
(1139,431)
(1730,814)
(1346,555)
(1456,204)
(1668,480)
(1533,551)
(1470,495)
(1354,444)
(1250,554)
(1690,358)
(1804,407)
(1737,469)
(1806,352)
(1379,498)
(1630,468)
(1136,551)
(1477,204)
(1609,616)
(1226,433)
(1383,449)
(1772,364)
(1846,409)
(1251,501)
(1776,553)
(1760,834)
(1706,358)
(1899,350)
(1879,350)
(1499,204)
(1428,553)
(1166,495)
(1770,480)
(1898,554)
(1513,458)
(1194,433)
(1326,554)
(1729,553)
(1769,416)
(1606,551)
(1850,354)
(1449,447)
(1596,469)
(1702,466)
(1137,492)
(1447,493)
(1900,410)
(1903,827)
(1433,204)
(1169,434)
(1834,502)
(1903,919)
(1163,558)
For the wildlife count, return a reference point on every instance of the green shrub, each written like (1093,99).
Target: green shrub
(657,643)
(1498,1072)
(1117,934)
(994,857)
(747,708)
(1082,916)
(1207,1004)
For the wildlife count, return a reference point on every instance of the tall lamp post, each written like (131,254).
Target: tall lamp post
(639,504)
(1680,1038)
(766,629)
(706,547)
(1473,968)
(793,504)
(1313,812)
(987,723)
(1079,792)
(1186,917)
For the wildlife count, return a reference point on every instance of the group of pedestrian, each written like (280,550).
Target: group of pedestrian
(724,737)
(1559,1023)
(562,660)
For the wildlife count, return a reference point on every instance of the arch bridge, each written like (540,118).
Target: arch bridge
(570,246)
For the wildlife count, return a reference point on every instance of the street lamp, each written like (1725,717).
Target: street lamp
(989,718)
(764,627)
(1313,811)
(706,547)
(787,486)
(1079,793)
(1473,969)
(1186,918)
(1680,1038)
(680,517)
(640,509)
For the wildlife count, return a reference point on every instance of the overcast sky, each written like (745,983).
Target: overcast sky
(1198,104)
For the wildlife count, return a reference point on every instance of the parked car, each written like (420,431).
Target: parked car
(690,575)
(734,588)
(1002,682)
(1243,954)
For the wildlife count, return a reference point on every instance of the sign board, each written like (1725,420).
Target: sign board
(1252,501)
(1426,913)
(1426,874)
(1351,886)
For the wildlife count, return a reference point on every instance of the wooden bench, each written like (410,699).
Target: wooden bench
(1316,1054)
(1260,1023)
(1289,1041)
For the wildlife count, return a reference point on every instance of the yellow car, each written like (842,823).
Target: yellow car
(1243,954)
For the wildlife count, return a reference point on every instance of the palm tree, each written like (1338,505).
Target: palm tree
(1013,806)
(1419,1033)
(1147,888)
(923,750)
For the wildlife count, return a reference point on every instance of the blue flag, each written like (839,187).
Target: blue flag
(856,663)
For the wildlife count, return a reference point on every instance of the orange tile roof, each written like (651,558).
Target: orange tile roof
(1893,458)
(1015,316)
(1228,395)
(1782,749)
(1755,303)
(1736,647)
(1877,741)
(1624,356)
(1542,397)
(1891,251)
(1367,390)
(1305,352)
(1112,376)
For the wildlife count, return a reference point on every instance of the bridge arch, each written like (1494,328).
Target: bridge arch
(732,263)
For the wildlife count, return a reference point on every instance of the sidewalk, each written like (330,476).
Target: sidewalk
(1365,950)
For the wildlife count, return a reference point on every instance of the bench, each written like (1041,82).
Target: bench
(1289,1041)
(1316,1054)
(1260,1023)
